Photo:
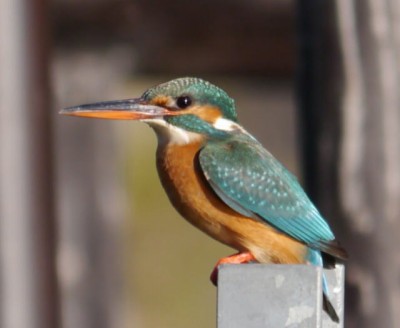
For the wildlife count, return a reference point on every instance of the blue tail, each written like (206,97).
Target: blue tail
(314,257)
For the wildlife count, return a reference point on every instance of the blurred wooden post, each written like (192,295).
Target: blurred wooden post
(28,288)
(350,105)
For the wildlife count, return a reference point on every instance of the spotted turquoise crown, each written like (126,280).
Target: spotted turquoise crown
(202,92)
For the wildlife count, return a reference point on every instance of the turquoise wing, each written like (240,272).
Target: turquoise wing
(252,182)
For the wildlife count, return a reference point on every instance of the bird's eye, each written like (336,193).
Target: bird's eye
(183,102)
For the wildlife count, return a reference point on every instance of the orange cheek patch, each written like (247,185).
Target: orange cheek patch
(207,113)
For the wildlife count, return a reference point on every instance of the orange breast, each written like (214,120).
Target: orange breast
(194,199)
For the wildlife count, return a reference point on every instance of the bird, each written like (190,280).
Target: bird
(223,181)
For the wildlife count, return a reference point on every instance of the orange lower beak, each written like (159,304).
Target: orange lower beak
(127,109)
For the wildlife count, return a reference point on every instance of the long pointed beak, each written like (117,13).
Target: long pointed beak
(127,109)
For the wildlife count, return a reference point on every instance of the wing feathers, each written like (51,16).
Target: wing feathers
(252,182)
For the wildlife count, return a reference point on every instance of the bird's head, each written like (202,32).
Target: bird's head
(183,108)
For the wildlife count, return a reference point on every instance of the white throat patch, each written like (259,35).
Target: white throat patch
(170,134)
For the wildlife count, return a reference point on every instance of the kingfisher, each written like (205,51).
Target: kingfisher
(223,181)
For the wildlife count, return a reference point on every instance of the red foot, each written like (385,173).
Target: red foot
(238,258)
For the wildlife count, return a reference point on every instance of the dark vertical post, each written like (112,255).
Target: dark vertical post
(350,104)
(320,73)
(28,281)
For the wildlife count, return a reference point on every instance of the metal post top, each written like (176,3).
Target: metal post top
(266,295)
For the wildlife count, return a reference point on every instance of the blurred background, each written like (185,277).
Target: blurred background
(88,237)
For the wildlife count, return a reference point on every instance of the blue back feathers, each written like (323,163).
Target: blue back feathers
(250,180)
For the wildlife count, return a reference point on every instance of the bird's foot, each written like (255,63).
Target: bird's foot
(238,258)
